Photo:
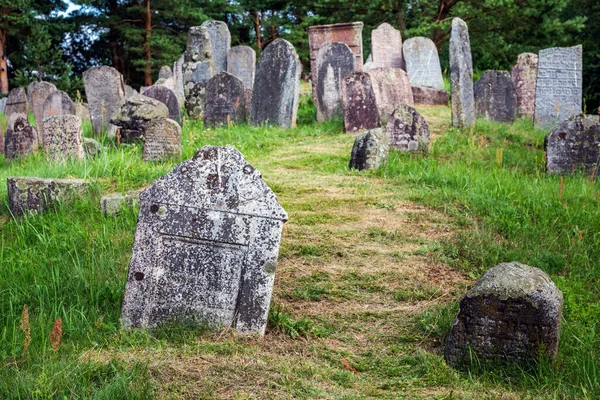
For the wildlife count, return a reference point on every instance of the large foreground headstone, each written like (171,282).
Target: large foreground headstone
(38,92)
(511,314)
(162,139)
(105,91)
(63,138)
(461,75)
(408,130)
(495,96)
(423,63)
(558,91)
(392,88)
(16,102)
(134,115)
(21,138)
(370,150)
(574,146)
(168,98)
(225,100)
(206,246)
(276,93)
(386,47)
(36,195)
(360,106)
(524,75)
(334,61)
(58,103)
(220,41)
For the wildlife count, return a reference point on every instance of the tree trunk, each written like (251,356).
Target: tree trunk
(400,21)
(3,63)
(440,35)
(147,47)
(257,29)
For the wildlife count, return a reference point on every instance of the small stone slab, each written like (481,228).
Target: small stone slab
(392,88)
(573,146)
(162,139)
(370,150)
(524,75)
(206,246)
(386,47)
(360,107)
(105,91)
(63,138)
(461,76)
(423,63)
(21,138)
(512,314)
(334,61)
(36,195)
(408,130)
(112,204)
(58,103)
(16,102)
(91,148)
(38,92)
(495,96)
(430,96)
(225,101)
(135,114)
(168,98)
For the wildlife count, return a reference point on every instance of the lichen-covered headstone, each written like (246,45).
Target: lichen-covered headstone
(511,314)
(162,139)
(58,103)
(430,96)
(573,146)
(558,90)
(461,75)
(206,246)
(16,102)
(63,138)
(386,47)
(225,101)
(407,129)
(370,150)
(220,41)
(241,63)
(168,98)
(134,115)
(198,68)
(524,75)
(360,107)
(105,91)
(38,92)
(334,61)
(423,63)
(36,195)
(21,139)
(276,93)
(392,88)
(495,96)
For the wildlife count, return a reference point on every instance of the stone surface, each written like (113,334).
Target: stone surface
(162,139)
(36,195)
(220,41)
(206,246)
(37,93)
(430,96)
(178,76)
(461,75)
(423,63)
(198,68)
(168,98)
(495,96)
(130,92)
(392,88)
(276,92)
(574,146)
(16,102)
(523,75)
(58,103)
(225,101)
(91,148)
(408,130)
(241,63)
(165,72)
(360,107)
(112,204)
(558,91)
(82,110)
(21,139)
(386,47)
(63,138)
(198,47)
(134,115)
(370,150)
(105,91)
(334,61)
(511,314)
(3,105)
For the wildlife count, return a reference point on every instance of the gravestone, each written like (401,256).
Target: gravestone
(165,72)
(198,68)
(423,63)
(168,98)
(386,47)
(2,105)
(16,102)
(225,101)
(91,148)
(276,92)
(206,246)
(334,61)
(558,91)
(370,150)
(21,138)
(112,204)
(36,195)
(430,96)
(512,314)
(38,92)
(58,103)
(495,96)
(408,130)
(461,76)
(360,107)
(134,115)
(178,76)
(162,139)
(574,146)
(220,41)
(63,138)
(524,74)
(241,63)
(105,91)
(392,88)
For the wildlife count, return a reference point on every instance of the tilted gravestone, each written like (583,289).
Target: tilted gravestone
(241,63)
(58,103)
(206,246)
(392,88)
(220,41)
(495,96)
(198,68)
(408,130)
(574,145)
(558,90)
(16,102)
(386,47)
(168,98)
(370,150)
(423,63)
(334,62)
(430,96)
(512,314)
(461,75)
(37,195)
(105,91)
(276,93)
(523,75)
(63,138)
(134,115)
(38,92)
(21,138)
(360,107)
(225,101)
(162,139)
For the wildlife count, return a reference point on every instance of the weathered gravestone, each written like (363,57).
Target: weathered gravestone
(511,314)
(198,68)
(58,103)
(37,93)
(105,91)
(386,47)
(36,195)
(16,102)
(574,146)
(360,107)
(407,129)
(165,72)
(168,98)
(162,139)
(63,138)
(423,63)
(392,88)
(430,96)
(206,246)
(134,115)
(523,75)
(112,204)
(558,88)
(370,150)
(276,92)
(225,100)
(178,76)
(241,63)
(334,62)
(461,75)
(495,96)
(220,41)
(21,138)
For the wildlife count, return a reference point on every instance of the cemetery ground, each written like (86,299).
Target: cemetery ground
(371,269)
